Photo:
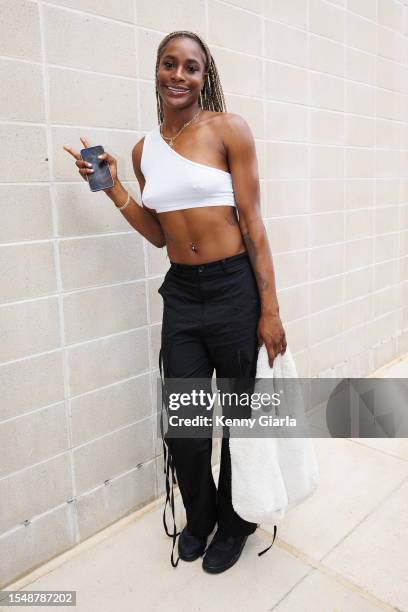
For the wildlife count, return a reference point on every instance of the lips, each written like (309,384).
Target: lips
(177,91)
(178,88)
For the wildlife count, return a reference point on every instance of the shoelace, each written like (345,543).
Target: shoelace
(168,465)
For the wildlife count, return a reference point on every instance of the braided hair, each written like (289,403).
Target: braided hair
(211,97)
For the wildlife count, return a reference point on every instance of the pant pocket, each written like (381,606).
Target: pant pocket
(163,286)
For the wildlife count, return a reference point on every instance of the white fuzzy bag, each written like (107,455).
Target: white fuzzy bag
(271,474)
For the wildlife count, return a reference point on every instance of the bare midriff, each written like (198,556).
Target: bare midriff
(202,234)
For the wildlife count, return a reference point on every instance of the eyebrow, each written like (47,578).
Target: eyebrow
(174,57)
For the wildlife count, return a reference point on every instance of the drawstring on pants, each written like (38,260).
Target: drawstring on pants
(274,536)
(168,466)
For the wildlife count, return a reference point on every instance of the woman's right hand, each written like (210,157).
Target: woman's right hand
(84,168)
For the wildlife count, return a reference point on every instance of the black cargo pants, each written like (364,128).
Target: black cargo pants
(210,318)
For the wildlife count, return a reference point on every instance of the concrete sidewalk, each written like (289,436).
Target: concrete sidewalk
(344,549)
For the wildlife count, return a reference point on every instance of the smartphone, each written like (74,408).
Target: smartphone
(101,177)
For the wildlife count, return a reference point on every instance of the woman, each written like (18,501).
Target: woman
(196,170)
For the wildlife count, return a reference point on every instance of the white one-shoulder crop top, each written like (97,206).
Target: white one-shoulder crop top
(173,182)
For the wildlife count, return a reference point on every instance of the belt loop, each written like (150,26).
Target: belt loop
(224,264)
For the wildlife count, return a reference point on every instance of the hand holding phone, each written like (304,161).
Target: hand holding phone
(95,166)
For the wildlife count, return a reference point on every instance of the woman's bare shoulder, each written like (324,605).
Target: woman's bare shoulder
(221,117)
(228,123)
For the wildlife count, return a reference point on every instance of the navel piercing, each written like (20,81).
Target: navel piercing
(193,246)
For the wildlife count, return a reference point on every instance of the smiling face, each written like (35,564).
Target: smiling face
(180,75)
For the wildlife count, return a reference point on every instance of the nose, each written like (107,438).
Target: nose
(179,73)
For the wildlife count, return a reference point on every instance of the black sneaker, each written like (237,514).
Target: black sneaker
(190,547)
(223,552)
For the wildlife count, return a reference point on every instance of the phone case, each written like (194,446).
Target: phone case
(101,177)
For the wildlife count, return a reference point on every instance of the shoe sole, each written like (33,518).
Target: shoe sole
(218,570)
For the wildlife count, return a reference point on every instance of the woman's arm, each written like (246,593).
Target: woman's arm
(241,152)
(144,220)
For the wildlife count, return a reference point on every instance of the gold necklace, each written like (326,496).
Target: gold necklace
(173,138)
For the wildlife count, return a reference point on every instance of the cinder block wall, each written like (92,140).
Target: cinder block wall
(323,85)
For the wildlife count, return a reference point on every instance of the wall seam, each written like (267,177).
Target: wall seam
(54,206)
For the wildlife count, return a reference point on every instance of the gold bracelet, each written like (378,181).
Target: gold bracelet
(125,204)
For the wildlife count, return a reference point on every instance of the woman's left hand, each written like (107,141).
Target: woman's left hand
(270,331)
